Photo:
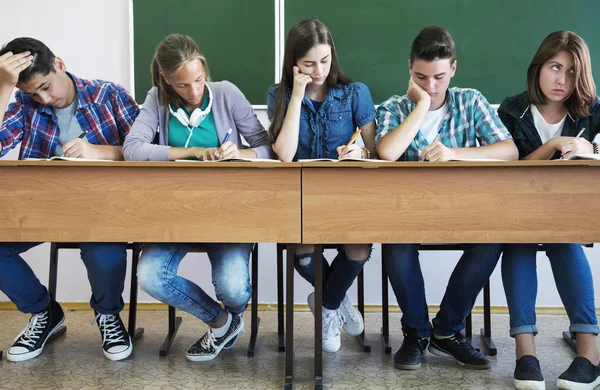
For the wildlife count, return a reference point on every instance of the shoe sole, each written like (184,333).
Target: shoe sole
(30,355)
(407,366)
(120,355)
(529,385)
(443,354)
(205,358)
(564,384)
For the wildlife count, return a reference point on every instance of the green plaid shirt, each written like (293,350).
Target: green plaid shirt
(469,119)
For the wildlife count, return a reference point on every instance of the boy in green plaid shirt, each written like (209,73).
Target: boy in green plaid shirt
(434,123)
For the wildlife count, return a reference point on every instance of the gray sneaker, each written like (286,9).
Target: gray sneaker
(209,346)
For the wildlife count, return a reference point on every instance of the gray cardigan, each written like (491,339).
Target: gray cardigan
(230,108)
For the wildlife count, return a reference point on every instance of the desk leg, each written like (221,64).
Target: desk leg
(255,321)
(280,320)
(134,333)
(362,338)
(486,333)
(570,339)
(289,339)
(385,328)
(174,323)
(318,316)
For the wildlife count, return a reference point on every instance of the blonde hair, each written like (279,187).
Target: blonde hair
(171,54)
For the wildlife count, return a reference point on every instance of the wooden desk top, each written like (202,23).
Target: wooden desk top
(68,201)
(455,202)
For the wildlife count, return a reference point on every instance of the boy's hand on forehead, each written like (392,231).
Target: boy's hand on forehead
(416,93)
(11,65)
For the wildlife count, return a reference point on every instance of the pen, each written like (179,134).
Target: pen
(225,139)
(578,135)
(354,136)
(82,136)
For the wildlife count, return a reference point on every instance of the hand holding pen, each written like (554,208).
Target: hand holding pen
(575,145)
(228,150)
(344,151)
(79,148)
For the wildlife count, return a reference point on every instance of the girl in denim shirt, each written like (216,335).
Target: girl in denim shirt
(559,114)
(314,111)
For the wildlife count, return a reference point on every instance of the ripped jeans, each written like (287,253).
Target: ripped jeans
(337,277)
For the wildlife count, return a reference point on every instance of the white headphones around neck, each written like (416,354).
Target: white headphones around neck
(195,118)
(197,115)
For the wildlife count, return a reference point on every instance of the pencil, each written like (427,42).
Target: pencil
(354,137)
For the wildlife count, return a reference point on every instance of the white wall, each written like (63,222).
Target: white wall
(93,39)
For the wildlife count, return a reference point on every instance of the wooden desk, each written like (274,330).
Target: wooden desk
(453,202)
(150,201)
(68,201)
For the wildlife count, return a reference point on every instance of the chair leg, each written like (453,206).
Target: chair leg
(52,280)
(385,308)
(486,331)
(53,274)
(362,338)
(174,324)
(255,321)
(280,321)
(134,333)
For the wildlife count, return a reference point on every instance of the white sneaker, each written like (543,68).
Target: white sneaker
(351,319)
(332,340)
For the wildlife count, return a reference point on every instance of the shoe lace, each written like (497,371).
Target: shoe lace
(332,322)
(34,329)
(207,342)
(348,314)
(110,328)
(463,343)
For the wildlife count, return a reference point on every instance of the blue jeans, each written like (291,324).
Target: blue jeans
(468,278)
(106,264)
(573,278)
(157,275)
(337,278)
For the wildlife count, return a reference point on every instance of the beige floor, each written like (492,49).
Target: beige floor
(75,361)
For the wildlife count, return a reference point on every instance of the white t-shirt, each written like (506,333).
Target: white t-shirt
(546,130)
(433,122)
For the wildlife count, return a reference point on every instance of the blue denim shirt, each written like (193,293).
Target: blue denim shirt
(345,108)
(516,114)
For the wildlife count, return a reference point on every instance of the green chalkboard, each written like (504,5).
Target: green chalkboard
(236,36)
(495,39)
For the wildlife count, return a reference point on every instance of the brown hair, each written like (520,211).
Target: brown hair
(433,43)
(584,92)
(303,36)
(171,54)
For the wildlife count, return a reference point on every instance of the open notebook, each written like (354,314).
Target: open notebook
(233,159)
(584,157)
(61,158)
(342,160)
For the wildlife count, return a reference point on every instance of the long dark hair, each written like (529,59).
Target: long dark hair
(303,36)
(584,93)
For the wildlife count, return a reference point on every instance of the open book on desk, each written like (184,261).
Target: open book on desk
(584,157)
(232,159)
(342,160)
(62,158)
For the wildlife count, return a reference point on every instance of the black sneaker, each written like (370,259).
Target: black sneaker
(408,357)
(209,346)
(528,374)
(116,343)
(581,374)
(458,348)
(31,341)
(231,342)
